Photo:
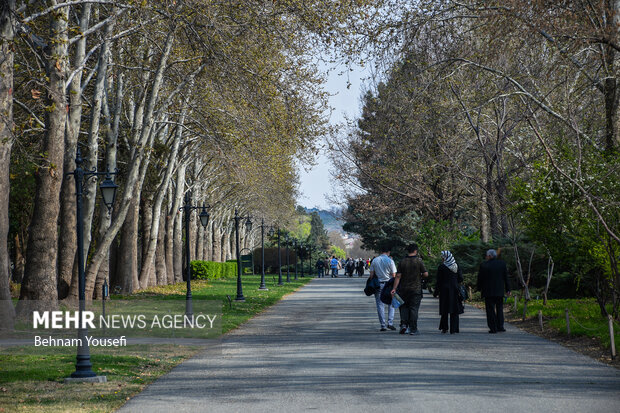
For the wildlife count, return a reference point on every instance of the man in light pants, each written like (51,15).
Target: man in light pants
(383,268)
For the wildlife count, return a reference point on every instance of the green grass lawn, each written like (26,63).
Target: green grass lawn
(585,317)
(235,313)
(31,379)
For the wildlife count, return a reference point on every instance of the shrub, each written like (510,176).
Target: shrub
(211,270)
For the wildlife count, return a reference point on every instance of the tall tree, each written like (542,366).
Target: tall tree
(318,234)
(7,33)
(40,277)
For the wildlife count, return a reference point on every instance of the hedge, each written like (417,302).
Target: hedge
(203,270)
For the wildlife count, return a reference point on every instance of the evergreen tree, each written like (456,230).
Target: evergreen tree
(318,234)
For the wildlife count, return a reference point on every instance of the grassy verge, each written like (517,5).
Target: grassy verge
(31,379)
(584,314)
(235,313)
(589,330)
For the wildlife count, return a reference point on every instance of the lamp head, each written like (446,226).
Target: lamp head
(108,191)
(204,216)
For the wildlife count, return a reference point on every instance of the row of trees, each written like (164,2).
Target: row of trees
(216,98)
(498,120)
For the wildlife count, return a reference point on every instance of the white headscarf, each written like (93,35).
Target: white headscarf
(449,261)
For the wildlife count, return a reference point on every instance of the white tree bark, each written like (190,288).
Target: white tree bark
(90,186)
(135,167)
(148,259)
(67,239)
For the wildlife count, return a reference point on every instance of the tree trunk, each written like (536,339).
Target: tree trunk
(7,312)
(484,219)
(490,201)
(146,217)
(160,256)
(169,239)
(90,186)
(502,203)
(233,246)
(101,277)
(112,127)
(67,241)
(208,247)
(113,281)
(550,265)
(200,241)
(225,245)
(19,261)
(216,242)
(177,247)
(127,259)
(152,239)
(40,278)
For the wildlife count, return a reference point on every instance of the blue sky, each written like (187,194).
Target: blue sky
(315,184)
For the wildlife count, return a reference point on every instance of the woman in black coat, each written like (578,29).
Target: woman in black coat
(449,275)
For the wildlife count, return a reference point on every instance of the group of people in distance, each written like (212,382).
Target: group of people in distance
(351,266)
(407,281)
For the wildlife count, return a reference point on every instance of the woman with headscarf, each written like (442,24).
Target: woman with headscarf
(449,275)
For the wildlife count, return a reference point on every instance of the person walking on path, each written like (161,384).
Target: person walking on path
(334,264)
(320,268)
(449,275)
(409,278)
(349,267)
(492,282)
(359,266)
(383,268)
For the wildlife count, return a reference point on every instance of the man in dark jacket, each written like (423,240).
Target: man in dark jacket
(320,266)
(409,277)
(492,282)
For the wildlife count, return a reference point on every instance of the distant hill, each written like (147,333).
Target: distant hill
(331,219)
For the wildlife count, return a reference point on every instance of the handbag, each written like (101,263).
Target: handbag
(463,296)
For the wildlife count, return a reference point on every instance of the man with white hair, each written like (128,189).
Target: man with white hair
(492,282)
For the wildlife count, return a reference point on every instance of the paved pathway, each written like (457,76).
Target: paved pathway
(320,350)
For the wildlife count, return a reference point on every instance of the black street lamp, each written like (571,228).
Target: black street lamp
(288,276)
(279,261)
(262,247)
(296,253)
(301,256)
(248,225)
(204,220)
(83,366)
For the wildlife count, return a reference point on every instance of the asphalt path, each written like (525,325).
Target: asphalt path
(320,349)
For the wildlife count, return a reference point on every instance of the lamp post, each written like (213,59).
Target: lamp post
(83,366)
(279,261)
(296,253)
(288,276)
(204,220)
(262,247)
(248,225)
(301,256)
